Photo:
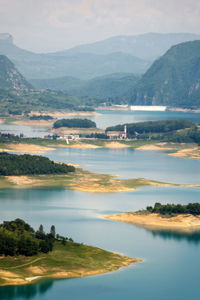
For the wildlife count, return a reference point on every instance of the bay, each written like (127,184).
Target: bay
(170,259)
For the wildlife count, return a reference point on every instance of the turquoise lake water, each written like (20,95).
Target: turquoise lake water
(171,264)
(107,118)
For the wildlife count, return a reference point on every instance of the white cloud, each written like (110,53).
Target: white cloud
(49,25)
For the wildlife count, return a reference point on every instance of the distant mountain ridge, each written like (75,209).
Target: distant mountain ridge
(127,54)
(148,46)
(173,80)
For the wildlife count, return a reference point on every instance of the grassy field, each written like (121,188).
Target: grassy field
(65,261)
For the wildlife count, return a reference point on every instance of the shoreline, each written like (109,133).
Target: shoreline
(83,181)
(70,261)
(181,222)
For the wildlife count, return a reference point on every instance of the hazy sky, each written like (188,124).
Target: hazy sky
(49,25)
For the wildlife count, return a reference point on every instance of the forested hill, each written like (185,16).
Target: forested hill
(103,87)
(173,80)
(12,164)
(179,131)
(10,78)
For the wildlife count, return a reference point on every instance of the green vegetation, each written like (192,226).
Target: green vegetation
(112,88)
(172,80)
(12,164)
(19,238)
(10,78)
(144,130)
(74,123)
(174,209)
(65,261)
(41,117)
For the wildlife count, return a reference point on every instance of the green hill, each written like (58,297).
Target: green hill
(173,80)
(10,78)
(112,85)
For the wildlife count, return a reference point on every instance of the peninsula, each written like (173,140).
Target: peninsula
(32,255)
(32,171)
(169,216)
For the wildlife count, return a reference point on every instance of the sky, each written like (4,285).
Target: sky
(52,25)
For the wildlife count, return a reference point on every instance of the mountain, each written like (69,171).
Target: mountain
(80,65)
(120,54)
(112,85)
(172,80)
(10,78)
(147,46)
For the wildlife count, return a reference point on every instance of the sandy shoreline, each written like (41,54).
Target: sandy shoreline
(25,148)
(187,110)
(56,114)
(184,152)
(183,222)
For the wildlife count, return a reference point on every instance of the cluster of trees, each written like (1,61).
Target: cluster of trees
(19,238)
(74,123)
(191,135)
(97,136)
(173,209)
(177,131)
(152,127)
(41,117)
(12,164)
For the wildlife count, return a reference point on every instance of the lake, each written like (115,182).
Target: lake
(107,118)
(170,267)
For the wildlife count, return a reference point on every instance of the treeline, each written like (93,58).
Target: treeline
(74,123)
(191,135)
(12,164)
(41,117)
(19,238)
(177,131)
(133,129)
(174,209)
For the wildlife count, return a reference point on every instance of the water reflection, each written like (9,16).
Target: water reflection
(172,234)
(25,291)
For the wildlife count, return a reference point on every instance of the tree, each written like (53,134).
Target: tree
(41,229)
(53,231)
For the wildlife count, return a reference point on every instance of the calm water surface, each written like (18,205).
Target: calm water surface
(171,264)
(105,119)
(170,267)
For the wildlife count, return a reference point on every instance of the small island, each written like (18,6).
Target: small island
(167,216)
(27,255)
(74,123)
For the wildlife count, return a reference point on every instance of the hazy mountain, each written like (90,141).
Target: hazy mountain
(121,54)
(172,80)
(112,85)
(10,78)
(147,46)
(80,65)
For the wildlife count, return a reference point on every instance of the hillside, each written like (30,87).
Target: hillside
(172,80)
(10,78)
(112,85)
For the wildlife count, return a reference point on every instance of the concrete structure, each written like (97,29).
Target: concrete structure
(148,107)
